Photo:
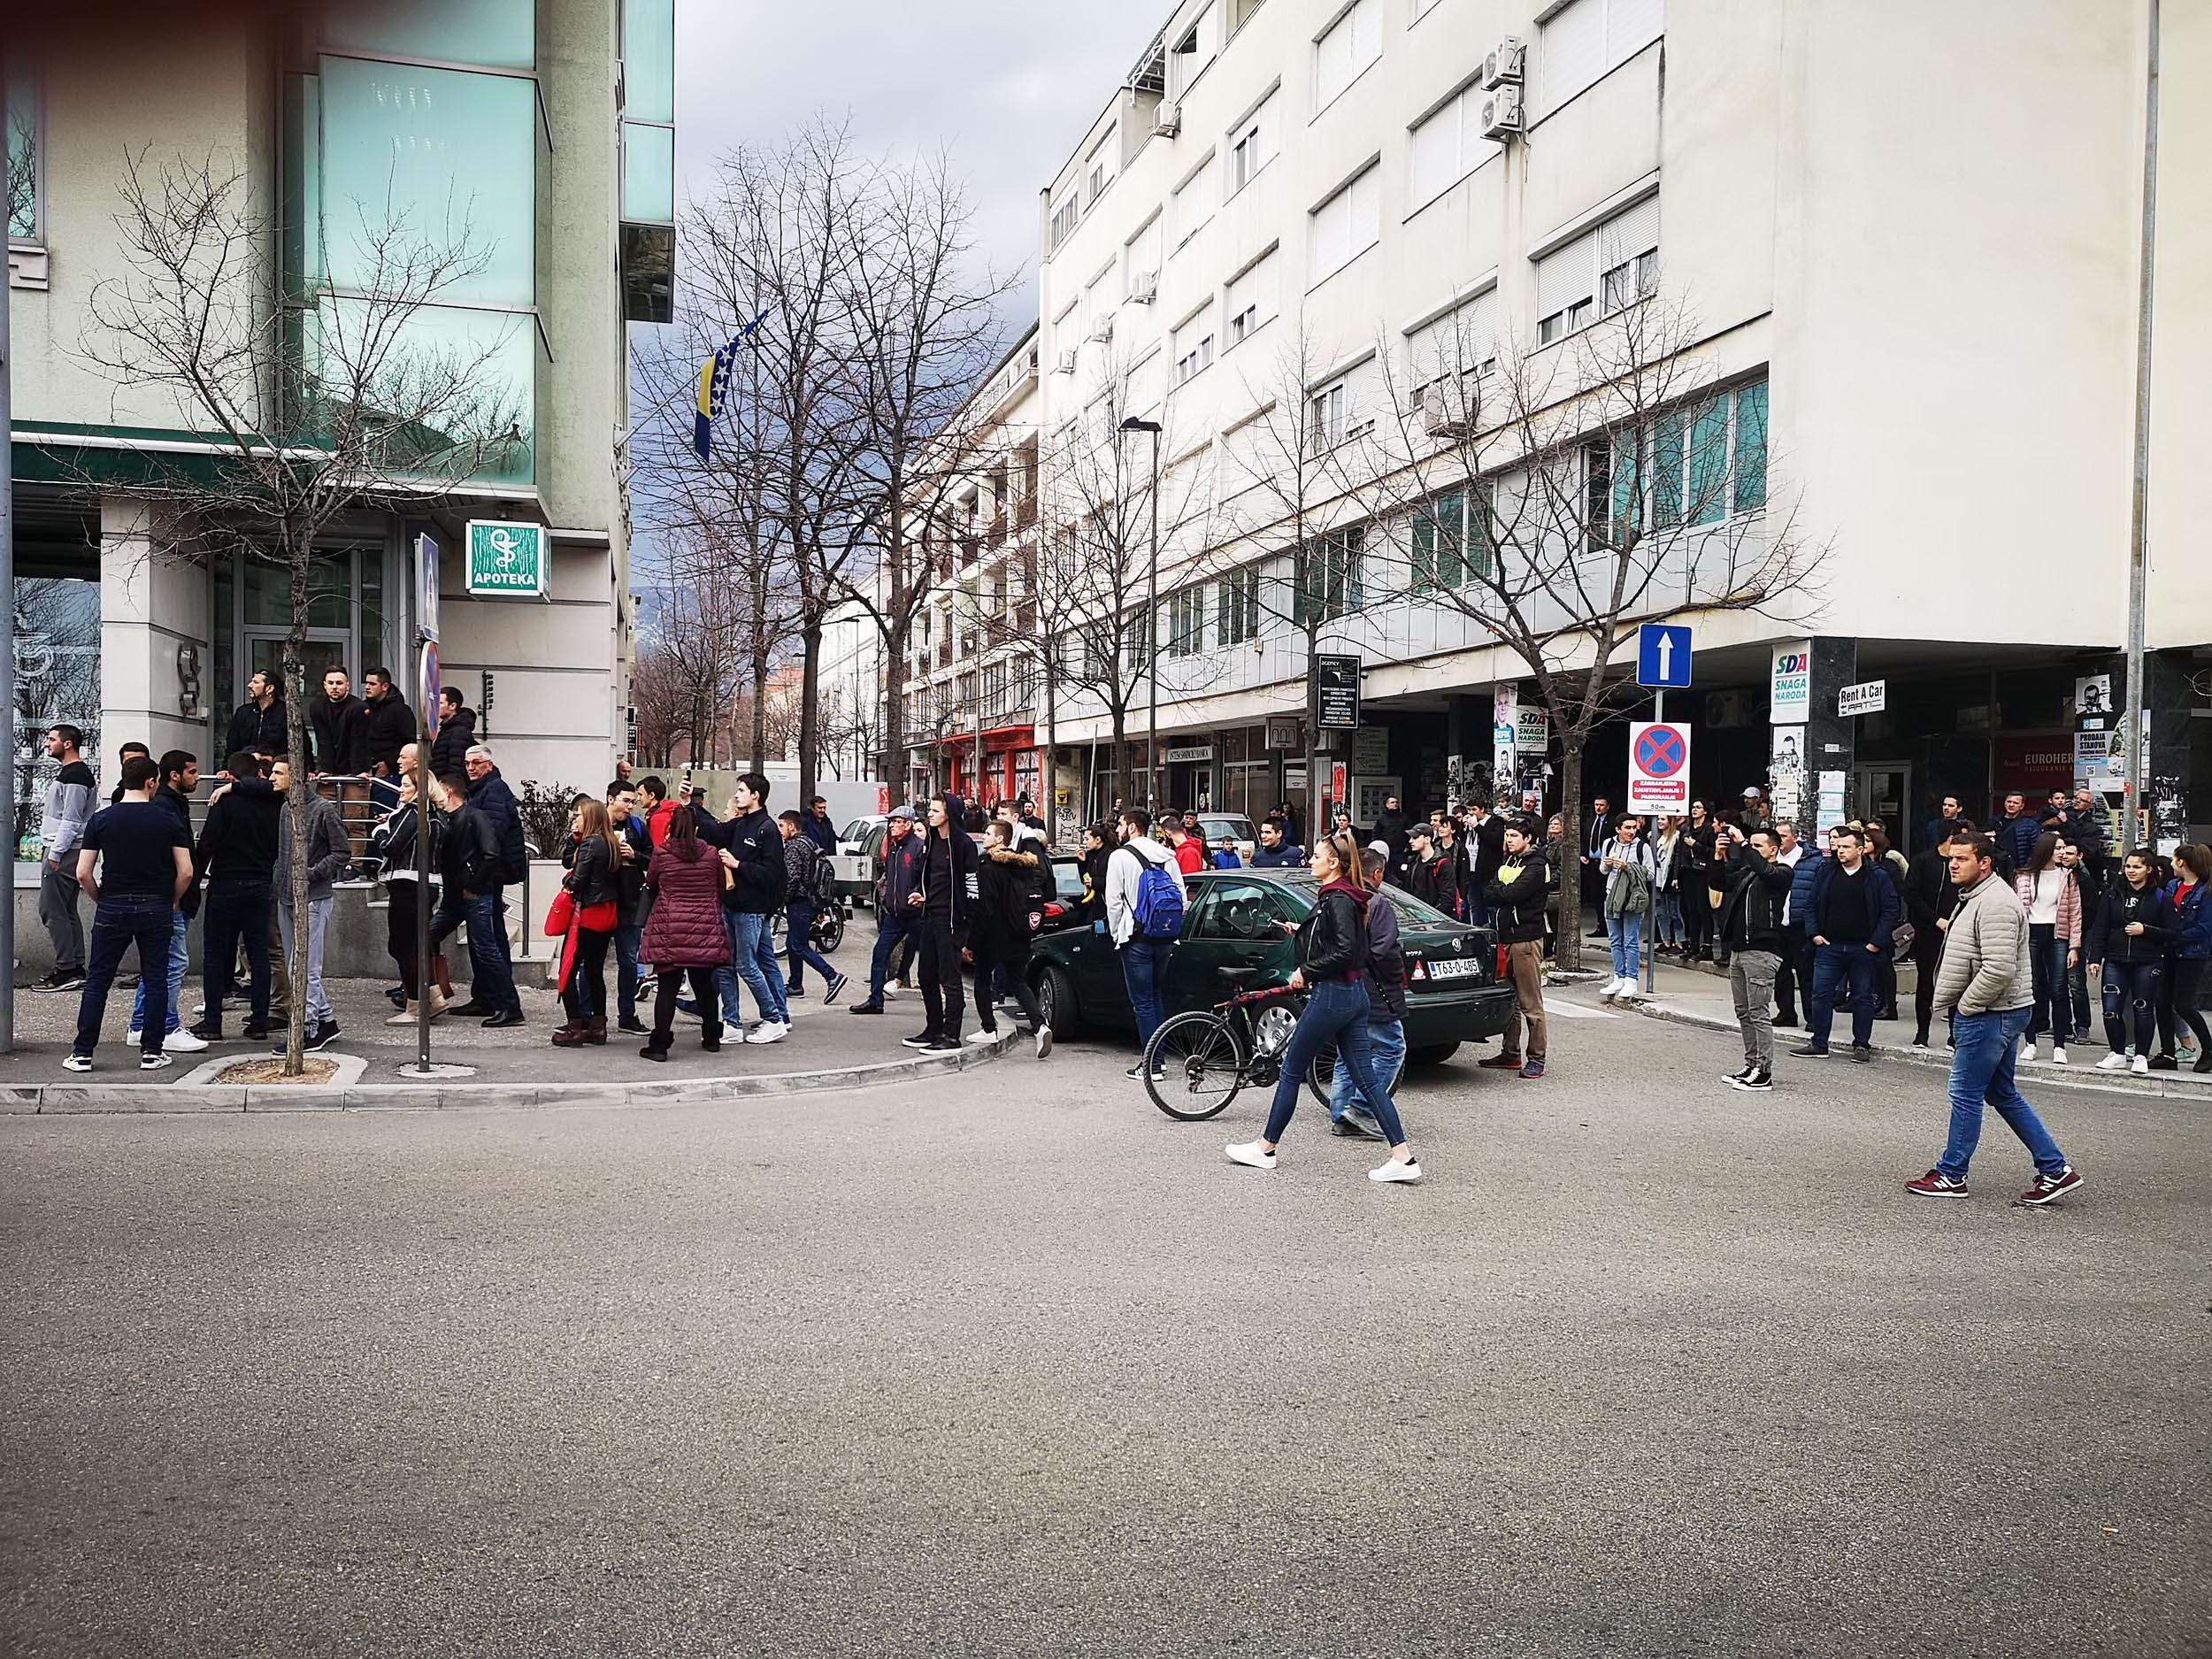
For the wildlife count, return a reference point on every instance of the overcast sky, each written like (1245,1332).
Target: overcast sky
(1008,85)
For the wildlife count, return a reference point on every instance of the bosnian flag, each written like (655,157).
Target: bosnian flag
(714,386)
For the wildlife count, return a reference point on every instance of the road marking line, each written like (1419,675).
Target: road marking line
(1575,1010)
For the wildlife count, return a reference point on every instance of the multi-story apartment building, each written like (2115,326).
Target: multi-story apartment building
(547,128)
(1906,238)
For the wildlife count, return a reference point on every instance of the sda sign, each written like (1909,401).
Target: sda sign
(506,560)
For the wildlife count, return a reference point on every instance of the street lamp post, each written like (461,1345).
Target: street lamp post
(1152,618)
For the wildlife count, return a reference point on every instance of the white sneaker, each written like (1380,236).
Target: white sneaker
(182,1041)
(77,1062)
(1611,989)
(890,989)
(2058,1056)
(131,1036)
(769,1031)
(1252,1154)
(732,1031)
(1632,991)
(405,1016)
(1044,1042)
(2114,1061)
(1409,1172)
(2140,1065)
(976,1039)
(2027,1054)
(154,1062)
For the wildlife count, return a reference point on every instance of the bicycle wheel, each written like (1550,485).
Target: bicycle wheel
(1193,1065)
(1321,1078)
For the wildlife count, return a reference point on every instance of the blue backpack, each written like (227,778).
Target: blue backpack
(1159,901)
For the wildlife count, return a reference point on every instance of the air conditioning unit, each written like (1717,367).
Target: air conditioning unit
(1167,121)
(1502,113)
(1502,65)
(1102,330)
(1144,287)
(1438,419)
(1065,363)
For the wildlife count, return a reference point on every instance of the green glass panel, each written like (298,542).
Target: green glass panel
(1666,471)
(1751,447)
(499,33)
(649,60)
(648,174)
(304,271)
(1628,485)
(329,593)
(1709,461)
(23,137)
(488,359)
(450,155)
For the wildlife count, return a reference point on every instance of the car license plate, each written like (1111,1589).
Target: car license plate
(1456,968)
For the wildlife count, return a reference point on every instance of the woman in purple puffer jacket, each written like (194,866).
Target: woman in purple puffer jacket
(684,936)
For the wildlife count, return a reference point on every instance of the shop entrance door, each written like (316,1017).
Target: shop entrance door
(1883,790)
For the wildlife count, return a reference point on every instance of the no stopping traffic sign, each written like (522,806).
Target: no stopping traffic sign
(1659,769)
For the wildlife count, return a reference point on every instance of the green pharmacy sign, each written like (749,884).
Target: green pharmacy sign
(506,560)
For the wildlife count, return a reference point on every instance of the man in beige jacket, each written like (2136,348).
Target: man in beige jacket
(1987,977)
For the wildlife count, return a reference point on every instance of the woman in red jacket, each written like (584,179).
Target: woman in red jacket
(684,936)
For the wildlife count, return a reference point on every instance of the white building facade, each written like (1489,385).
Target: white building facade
(1912,288)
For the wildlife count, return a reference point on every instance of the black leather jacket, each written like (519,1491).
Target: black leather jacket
(591,873)
(1332,939)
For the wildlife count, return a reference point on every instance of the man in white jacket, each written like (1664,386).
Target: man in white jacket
(1144,960)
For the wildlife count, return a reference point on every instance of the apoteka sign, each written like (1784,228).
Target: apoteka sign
(506,560)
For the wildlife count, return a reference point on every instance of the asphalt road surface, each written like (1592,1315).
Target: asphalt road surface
(1015,1365)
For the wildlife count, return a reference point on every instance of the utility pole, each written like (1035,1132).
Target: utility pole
(1152,619)
(2137,726)
(7,661)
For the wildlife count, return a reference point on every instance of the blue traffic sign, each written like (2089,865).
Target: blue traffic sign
(1662,656)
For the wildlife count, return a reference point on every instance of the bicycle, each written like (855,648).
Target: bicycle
(1218,1051)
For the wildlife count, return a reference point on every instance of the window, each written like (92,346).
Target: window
(1707,459)
(1331,583)
(1193,51)
(1194,346)
(1345,48)
(1576,45)
(1138,636)
(1461,341)
(25,159)
(1099,171)
(1194,202)
(1332,416)
(1247,459)
(1238,910)
(1098,303)
(1186,621)
(1750,468)
(1597,496)
(1245,9)
(1446,148)
(1451,543)
(1143,259)
(1065,213)
(496,33)
(1237,607)
(1604,270)
(649,110)
(1253,144)
(1143,391)
(1254,300)
(1344,227)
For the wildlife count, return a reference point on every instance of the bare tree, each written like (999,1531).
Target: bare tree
(320,406)
(1555,499)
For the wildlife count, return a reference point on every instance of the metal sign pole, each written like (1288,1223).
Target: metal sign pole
(426,692)
(1651,897)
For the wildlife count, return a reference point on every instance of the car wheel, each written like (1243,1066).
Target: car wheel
(1436,1054)
(1056,1000)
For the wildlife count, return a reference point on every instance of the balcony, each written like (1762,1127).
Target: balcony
(1024,620)
(970,545)
(995,532)
(1025,512)
(944,653)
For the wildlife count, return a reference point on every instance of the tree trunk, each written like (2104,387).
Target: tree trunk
(1049,771)
(1571,855)
(810,703)
(295,814)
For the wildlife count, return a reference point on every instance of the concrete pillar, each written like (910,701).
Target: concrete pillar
(157,664)
(1804,753)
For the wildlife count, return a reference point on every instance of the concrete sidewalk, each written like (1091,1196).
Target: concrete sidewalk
(828,1049)
(1696,996)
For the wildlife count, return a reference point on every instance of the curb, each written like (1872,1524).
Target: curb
(30,1099)
(2157,1085)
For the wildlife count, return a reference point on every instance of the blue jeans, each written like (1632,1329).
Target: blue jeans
(1625,935)
(491,978)
(1386,1041)
(625,943)
(1832,963)
(799,945)
(1668,920)
(2053,1009)
(1144,971)
(2130,1005)
(148,923)
(1336,1011)
(752,961)
(892,929)
(176,978)
(1981,1074)
(232,910)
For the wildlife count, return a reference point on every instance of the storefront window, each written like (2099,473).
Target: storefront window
(451,155)
(56,681)
(490,357)
(329,595)
(499,33)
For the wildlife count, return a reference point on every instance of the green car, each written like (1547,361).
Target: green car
(1232,940)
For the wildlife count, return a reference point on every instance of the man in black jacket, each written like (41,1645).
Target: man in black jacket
(492,819)
(1757,887)
(1484,835)
(387,725)
(456,735)
(180,776)
(335,729)
(1519,897)
(235,865)
(752,852)
(258,725)
(1597,835)
(1929,898)
(629,879)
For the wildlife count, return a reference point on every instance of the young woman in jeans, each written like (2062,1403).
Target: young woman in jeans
(2186,954)
(2138,921)
(2049,895)
(1331,968)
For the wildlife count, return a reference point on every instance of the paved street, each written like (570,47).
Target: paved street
(1011,1364)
